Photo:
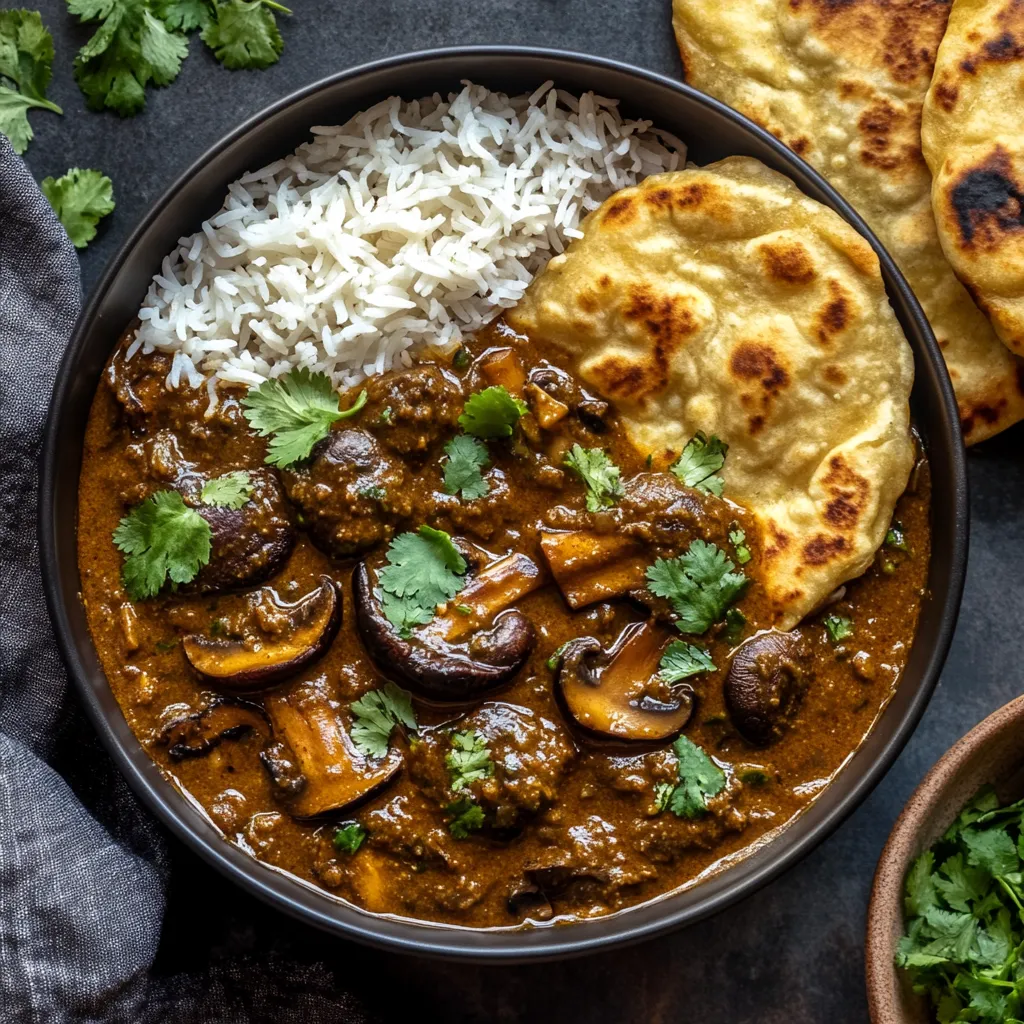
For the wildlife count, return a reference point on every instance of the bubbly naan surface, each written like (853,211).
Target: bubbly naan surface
(973,138)
(724,300)
(842,84)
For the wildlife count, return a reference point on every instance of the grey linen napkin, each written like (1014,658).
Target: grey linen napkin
(83,868)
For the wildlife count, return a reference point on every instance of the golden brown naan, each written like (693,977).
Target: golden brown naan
(724,300)
(842,82)
(973,137)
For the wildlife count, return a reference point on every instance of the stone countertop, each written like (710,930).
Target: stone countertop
(791,953)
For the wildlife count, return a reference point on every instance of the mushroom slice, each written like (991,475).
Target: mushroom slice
(307,722)
(197,733)
(617,693)
(767,677)
(449,659)
(250,664)
(591,567)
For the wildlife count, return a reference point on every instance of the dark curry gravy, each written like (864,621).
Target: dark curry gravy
(580,831)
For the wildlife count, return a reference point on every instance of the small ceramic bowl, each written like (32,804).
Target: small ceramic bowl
(992,753)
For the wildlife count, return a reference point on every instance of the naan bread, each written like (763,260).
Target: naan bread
(842,85)
(724,300)
(973,139)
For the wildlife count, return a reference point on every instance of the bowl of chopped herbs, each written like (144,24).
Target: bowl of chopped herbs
(945,938)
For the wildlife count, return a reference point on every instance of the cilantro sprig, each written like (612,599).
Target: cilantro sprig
(469,760)
(164,540)
(699,780)
(491,414)
(699,463)
(465,817)
(232,490)
(424,569)
(81,199)
(26,61)
(467,458)
(738,539)
(375,716)
(599,473)
(295,410)
(244,33)
(699,584)
(682,660)
(838,627)
(964,919)
(349,837)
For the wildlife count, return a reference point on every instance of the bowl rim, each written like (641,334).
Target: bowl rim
(443,941)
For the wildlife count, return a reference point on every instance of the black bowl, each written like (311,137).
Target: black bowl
(712,131)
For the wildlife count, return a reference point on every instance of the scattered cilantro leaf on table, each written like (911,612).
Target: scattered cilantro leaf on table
(295,410)
(599,473)
(700,585)
(466,817)
(184,15)
(132,48)
(682,660)
(699,463)
(839,627)
(491,414)
(81,199)
(467,458)
(469,760)
(424,569)
(699,780)
(26,62)
(349,837)
(163,539)
(232,490)
(244,34)
(375,716)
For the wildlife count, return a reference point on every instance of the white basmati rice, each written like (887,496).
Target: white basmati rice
(414,223)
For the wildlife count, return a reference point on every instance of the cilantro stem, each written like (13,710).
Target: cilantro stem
(43,104)
(277,7)
(1013,896)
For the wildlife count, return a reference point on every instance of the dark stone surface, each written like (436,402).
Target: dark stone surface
(792,952)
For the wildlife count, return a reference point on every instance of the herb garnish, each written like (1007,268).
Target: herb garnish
(896,537)
(232,490)
(376,714)
(467,457)
(964,913)
(424,569)
(700,461)
(163,539)
(839,627)
(599,473)
(81,199)
(469,759)
(699,779)
(243,33)
(682,660)
(298,409)
(491,413)
(466,817)
(26,59)
(735,620)
(738,539)
(349,837)
(700,584)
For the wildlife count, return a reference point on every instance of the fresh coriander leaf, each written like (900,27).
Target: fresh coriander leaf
(987,999)
(243,33)
(184,15)
(298,409)
(992,850)
(469,759)
(699,779)
(81,199)
(491,413)
(993,944)
(599,473)
(896,537)
(424,569)
(26,59)
(376,714)
(462,472)
(232,490)
(681,660)
(839,627)
(754,777)
(466,817)
(738,539)
(700,585)
(662,795)
(958,884)
(735,620)
(921,893)
(349,837)
(163,539)
(131,49)
(700,461)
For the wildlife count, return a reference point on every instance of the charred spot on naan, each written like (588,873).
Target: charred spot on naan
(619,212)
(835,316)
(987,201)
(823,548)
(891,137)
(848,495)
(787,261)
(758,363)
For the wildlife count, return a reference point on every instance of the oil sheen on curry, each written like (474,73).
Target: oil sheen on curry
(452,646)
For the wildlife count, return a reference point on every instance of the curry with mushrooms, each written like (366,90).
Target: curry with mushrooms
(451,648)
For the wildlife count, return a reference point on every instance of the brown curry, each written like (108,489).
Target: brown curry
(240,683)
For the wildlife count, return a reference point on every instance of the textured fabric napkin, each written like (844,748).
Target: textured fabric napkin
(83,874)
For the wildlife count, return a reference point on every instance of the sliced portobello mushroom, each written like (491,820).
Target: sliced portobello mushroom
(196,733)
(459,655)
(591,567)
(767,677)
(250,664)
(313,761)
(617,693)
